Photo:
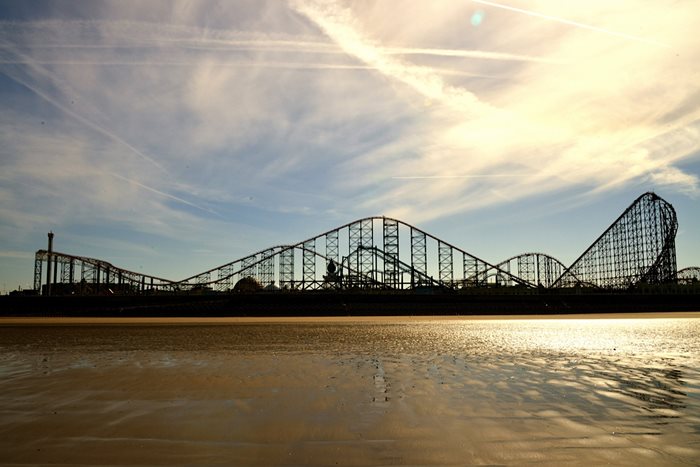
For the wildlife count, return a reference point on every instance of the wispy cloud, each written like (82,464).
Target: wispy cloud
(164,195)
(337,21)
(35,68)
(429,177)
(479,54)
(200,124)
(524,121)
(569,22)
(16,254)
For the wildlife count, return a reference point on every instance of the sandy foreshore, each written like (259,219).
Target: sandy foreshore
(332,392)
(72,320)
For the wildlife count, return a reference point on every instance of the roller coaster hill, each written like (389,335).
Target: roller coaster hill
(382,255)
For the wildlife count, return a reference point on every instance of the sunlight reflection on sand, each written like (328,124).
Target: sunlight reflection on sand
(352,391)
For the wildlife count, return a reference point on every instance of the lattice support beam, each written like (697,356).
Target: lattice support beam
(638,247)
(308,265)
(67,270)
(38,265)
(225,277)
(390,231)
(248,267)
(445,263)
(286,258)
(527,268)
(267,268)
(419,255)
(332,246)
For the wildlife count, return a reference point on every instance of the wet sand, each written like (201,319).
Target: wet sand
(339,391)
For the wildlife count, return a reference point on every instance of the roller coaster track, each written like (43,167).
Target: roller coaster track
(537,269)
(386,253)
(86,275)
(689,275)
(639,247)
(362,260)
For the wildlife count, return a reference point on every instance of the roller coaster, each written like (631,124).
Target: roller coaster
(383,253)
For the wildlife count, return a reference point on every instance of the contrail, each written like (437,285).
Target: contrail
(337,23)
(239,64)
(163,37)
(469,54)
(173,63)
(31,63)
(431,177)
(85,121)
(166,195)
(557,19)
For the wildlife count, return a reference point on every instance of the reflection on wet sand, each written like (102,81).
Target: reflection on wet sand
(348,392)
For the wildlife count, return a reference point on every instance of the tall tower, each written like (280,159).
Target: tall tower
(48,265)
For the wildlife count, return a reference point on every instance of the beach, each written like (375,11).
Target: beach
(623,390)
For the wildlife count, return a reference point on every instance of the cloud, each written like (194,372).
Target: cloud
(96,142)
(337,22)
(38,70)
(163,194)
(480,54)
(70,177)
(16,254)
(204,123)
(571,23)
(588,123)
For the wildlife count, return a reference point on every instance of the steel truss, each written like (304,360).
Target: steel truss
(309,265)
(332,246)
(248,267)
(267,268)
(225,274)
(638,247)
(96,277)
(367,261)
(536,269)
(445,263)
(689,275)
(390,229)
(419,256)
(286,263)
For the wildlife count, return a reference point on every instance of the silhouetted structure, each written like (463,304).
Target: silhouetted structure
(640,246)
(689,275)
(48,266)
(381,253)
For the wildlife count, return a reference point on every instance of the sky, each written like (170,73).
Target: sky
(170,137)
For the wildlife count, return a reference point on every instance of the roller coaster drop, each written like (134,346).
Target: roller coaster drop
(385,253)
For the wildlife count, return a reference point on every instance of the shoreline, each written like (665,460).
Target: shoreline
(349,320)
